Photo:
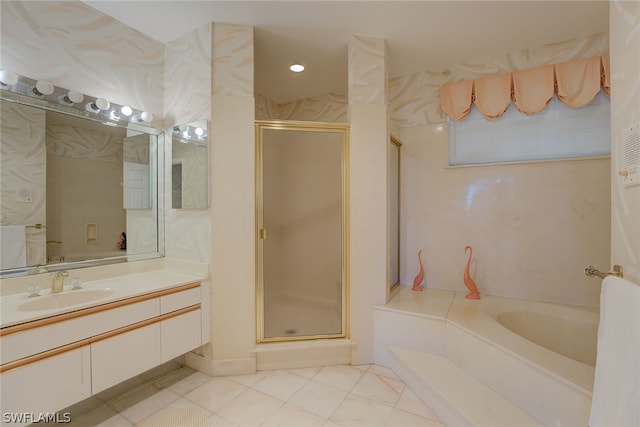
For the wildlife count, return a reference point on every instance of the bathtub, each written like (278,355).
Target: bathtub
(567,331)
(539,356)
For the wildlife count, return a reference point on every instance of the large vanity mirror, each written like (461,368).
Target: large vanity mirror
(76,189)
(189,166)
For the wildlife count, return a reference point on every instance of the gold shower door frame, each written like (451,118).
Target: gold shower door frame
(261,233)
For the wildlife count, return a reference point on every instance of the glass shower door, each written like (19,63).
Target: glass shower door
(301,232)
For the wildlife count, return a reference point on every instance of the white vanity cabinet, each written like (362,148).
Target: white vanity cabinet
(123,356)
(51,363)
(47,385)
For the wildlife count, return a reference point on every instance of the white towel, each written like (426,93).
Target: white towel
(616,390)
(13,246)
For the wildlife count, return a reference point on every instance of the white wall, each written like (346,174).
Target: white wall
(625,111)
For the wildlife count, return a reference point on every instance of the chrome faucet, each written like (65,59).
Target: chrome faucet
(58,281)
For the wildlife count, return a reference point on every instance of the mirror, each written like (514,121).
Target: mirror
(393,184)
(76,190)
(189,174)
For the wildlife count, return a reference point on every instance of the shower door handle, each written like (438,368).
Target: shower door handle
(263,233)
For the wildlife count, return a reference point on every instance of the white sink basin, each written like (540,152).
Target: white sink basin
(64,299)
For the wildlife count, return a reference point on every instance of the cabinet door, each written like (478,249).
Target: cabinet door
(122,356)
(180,334)
(48,385)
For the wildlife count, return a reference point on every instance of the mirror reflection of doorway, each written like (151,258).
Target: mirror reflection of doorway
(301,230)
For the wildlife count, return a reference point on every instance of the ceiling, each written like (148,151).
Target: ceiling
(420,35)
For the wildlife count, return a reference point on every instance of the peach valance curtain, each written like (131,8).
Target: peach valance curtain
(576,84)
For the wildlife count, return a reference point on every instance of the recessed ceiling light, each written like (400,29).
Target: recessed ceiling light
(297,68)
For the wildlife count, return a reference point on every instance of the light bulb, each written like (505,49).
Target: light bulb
(297,68)
(72,97)
(8,78)
(145,116)
(199,131)
(42,88)
(117,113)
(97,105)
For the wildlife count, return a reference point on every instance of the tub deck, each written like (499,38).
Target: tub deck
(551,388)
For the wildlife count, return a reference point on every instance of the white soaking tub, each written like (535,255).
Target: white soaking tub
(540,356)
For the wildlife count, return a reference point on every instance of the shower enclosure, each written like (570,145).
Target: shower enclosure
(302,226)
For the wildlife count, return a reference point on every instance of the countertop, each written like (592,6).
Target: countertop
(122,287)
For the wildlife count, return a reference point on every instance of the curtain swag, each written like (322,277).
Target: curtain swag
(575,83)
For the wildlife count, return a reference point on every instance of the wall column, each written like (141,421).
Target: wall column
(232,195)
(367,113)
(232,199)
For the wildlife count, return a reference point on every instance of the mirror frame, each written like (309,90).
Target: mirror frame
(156,196)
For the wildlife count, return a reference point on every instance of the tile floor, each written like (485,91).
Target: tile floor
(331,396)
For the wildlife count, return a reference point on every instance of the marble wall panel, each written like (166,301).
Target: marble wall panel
(533,226)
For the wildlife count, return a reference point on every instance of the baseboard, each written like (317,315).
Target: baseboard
(221,367)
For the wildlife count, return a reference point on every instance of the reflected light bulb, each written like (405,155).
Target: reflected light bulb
(126,110)
(199,131)
(42,88)
(97,105)
(8,78)
(72,97)
(145,116)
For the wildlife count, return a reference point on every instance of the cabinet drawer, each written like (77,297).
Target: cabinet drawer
(180,334)
(47,385)
(177,300)
(32,341)
(122,356)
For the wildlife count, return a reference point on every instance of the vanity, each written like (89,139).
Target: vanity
(83,208)
(60,348)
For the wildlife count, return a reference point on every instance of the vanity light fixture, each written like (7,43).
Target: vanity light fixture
(8,78)
(72,97)
(42,88)
(46,91)
(97,105)
(297,68)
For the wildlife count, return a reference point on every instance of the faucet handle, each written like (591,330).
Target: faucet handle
(33,290)
(77,283)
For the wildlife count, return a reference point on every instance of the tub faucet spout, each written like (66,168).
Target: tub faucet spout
(591,271)
(58,281)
